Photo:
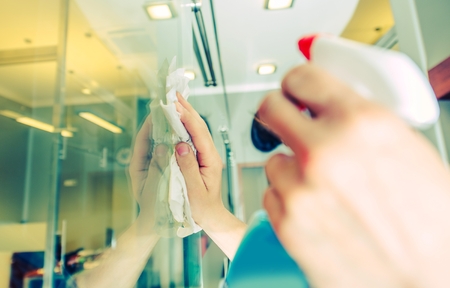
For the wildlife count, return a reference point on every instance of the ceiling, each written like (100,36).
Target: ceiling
(114,48)
(371,20)
(90,64)
(250,35)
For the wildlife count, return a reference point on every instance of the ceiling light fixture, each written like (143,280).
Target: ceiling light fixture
(189,74)
(36,124)
(266,69)
(70,183)
(10,114)
(86,91)
(67,133)
(278,4)
(100,122)
(160,11)
(27,121)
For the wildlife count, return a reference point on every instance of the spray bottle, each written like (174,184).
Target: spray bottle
(387,77)
(384,76)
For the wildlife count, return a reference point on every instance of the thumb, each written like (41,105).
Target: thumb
(189,166)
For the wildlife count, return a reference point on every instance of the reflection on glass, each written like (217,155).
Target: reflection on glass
(112,53)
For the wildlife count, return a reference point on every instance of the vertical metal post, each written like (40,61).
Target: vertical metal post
(58,116)
(192,261)
(222,75)
(63,244)
(411,43)
(28,171)
(234,197)
(203,36)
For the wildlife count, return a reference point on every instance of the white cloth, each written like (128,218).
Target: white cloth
(178,197)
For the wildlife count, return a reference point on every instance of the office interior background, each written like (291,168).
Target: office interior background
(76,80)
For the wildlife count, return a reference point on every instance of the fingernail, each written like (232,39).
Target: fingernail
(182,149)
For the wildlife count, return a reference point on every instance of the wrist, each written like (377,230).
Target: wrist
(219,219)
(212,216)
(145,224)
(225,230)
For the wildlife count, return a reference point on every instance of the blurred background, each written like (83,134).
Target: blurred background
(76,81)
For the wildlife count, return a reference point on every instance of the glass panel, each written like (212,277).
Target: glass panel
(77,82)
(66,196)
(28,70)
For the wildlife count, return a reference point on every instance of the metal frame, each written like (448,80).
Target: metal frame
(411,43)
(58,116)
(234,199)
(204,38)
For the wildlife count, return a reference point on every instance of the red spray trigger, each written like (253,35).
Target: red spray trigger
(304,45)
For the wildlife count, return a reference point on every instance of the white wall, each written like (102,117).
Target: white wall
(434,17)
(18,238)
(5,268)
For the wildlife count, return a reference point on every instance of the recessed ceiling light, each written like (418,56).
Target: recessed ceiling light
(67,133)
(278,4)
(189,74)
(86,91)
(70,182)
(100,122)
(160,11)
(266,69)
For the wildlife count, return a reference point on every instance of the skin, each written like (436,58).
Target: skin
(364,200)
(121,266)
(203,180)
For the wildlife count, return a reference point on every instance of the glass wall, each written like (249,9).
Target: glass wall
(76,81)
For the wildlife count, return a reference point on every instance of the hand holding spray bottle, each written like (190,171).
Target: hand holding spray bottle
(387,77)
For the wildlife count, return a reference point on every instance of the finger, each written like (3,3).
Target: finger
(155,170)
(142,147)
(284,119)
(160,158)
(274,207)
(318,90)
(189,166)
(206,151)
(185,104)
(189,107)
(284,174)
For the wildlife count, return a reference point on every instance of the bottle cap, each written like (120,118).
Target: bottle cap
(305,43)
